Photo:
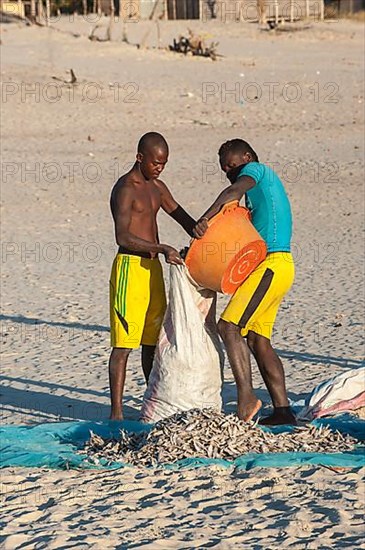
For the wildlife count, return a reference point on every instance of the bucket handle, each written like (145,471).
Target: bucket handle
(227,208)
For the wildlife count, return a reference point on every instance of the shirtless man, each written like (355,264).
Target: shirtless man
(137,293)
(251,313)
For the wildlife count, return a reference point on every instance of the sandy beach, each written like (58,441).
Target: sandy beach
(298,98)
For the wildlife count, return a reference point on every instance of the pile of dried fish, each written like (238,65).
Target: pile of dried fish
(209,434)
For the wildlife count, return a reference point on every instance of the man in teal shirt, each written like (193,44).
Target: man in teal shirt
(269,206)
(252,311)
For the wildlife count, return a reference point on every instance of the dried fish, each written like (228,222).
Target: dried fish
(211,434)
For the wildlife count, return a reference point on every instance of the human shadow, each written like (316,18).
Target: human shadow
(34,321)
(321,359)
(298,356)
(41,406)
(53,385)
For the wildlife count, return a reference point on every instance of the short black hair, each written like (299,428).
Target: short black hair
(150,141)
(237,146)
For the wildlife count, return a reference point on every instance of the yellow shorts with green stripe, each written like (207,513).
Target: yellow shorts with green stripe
(137,301)
(255,303)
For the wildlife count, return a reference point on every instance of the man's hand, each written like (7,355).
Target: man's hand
(200,228)
(172,256)
(183,252)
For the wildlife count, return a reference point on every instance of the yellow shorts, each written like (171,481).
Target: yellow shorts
(255,303)
(137,301)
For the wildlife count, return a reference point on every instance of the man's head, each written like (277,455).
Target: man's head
(235,154)
(152,154)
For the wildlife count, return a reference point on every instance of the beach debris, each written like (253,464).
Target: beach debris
(195,45)
(95,38)
(64,81)
(73,77)
(272,24)
(207,433)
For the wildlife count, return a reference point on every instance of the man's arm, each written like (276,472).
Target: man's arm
(121,205)
(231,193)
(173,209)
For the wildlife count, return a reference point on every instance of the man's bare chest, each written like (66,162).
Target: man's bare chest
(146,201)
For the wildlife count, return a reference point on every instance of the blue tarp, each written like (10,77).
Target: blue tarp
(55,445)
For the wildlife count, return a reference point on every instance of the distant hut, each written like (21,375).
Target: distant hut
(32,9)
(344,7)
(260,10)
(223,10)
(12,7)
(235,10)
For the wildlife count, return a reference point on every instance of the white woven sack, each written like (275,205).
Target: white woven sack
(187,369)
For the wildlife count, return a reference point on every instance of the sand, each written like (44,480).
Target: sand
(62,150)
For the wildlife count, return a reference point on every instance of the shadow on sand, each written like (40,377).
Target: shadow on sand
(298,356)
(44,405)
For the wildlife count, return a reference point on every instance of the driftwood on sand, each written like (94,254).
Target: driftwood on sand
(195,45)
(72,81)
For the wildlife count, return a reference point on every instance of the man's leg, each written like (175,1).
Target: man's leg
(154,316)
(148,354)
(239,358)
(117,369)
(272,372)
(210,319)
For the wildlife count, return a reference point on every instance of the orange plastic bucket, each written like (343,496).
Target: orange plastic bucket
(229,251)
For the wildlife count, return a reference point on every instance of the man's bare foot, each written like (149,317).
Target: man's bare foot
(249,410)
(280,417)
